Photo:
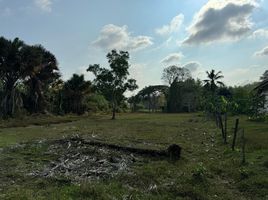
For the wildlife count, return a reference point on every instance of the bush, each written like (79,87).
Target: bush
(199,172)
(96,102)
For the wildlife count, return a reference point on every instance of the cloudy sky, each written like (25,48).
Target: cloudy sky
(226,35)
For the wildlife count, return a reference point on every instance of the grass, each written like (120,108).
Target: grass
(208,169)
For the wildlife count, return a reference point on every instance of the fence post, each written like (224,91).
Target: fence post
(243,147)
(221,126)
(235,133)
(225,128)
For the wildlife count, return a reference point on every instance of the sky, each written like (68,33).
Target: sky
(226,35)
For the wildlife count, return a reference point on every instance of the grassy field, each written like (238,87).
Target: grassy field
(208,169)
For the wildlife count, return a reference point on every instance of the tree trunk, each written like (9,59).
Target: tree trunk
(235,133)
(114,107)
(243,146)
(225,128)
(113,117)
(221,126)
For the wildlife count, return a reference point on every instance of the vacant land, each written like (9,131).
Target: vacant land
(46,158)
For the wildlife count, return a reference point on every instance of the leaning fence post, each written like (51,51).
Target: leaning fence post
(217,119)
(225,128)
(243,147)
(235,133)
(221,126)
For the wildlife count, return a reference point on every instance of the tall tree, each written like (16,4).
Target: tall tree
(74,92)
(114,82)
(11,68)
(184,96)
(31,65)
(213,80)
(151,96)
(41,72)
(172,73)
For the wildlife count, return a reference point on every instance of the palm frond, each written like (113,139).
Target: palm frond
(220,83)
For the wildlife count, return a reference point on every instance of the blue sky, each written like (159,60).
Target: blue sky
(226,35)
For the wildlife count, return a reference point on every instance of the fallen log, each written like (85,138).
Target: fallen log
(173,151)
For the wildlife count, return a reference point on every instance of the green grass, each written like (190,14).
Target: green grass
(208,169)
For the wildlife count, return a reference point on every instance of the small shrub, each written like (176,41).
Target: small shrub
(200,172)
(244,174)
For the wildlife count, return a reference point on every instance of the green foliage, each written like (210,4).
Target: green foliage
(152,97)
(43,72)
(113,83)
(246,100)
(200,172)
(96,102)
(73,94)
(256,110)
(184,96)
(173,72)
(241,96)
(33,66)
(213,81)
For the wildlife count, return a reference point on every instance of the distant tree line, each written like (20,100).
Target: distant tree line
(30,83)
(185,94)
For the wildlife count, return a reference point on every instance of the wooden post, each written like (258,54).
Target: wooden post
(217,119)
(243,147)
(235,133)
(225,128)
(221,126)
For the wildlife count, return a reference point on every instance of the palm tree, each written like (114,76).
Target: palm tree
(212,83)
(41,72)
(31,66)
(10,73)
(74,92)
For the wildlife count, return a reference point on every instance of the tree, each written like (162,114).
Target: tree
(113,83)
(11,68)
(212,83)
(74,92)
(153,96)
(41,72)
(264,76)
(32,68)
(96,102)
(172,73)
(184,96)
(54,96)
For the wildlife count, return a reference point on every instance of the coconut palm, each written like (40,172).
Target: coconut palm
(213,81)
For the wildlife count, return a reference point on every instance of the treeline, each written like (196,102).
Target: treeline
(30,82)
(185,94)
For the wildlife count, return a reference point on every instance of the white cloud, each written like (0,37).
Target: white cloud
(173,26)
(193,66)
(139,72)
(262,52)
(260,33)
(116,37)
(242,76)
(221,21)
(44,5)
(172,58)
